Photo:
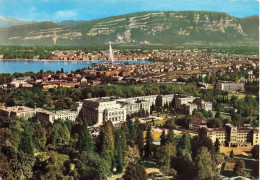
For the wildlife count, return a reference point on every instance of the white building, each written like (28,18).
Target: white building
(134,105)
(187,104)
(167,99)
(49,116)
(230,86)
(184,100)
(19,111)
(151,99)
(98,110)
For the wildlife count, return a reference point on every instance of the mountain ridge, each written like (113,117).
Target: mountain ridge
(141,28)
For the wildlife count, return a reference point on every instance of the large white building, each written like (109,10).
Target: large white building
(98,110)
(114,109)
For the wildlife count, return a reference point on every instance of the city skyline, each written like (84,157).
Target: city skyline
(58,10)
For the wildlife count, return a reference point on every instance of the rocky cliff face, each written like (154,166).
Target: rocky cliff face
(187,27)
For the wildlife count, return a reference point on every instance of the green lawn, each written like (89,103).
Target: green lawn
(158,123)
(223,115)
(249,165)
(163,115)
(239,95)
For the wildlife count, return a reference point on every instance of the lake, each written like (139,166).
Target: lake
(7,66)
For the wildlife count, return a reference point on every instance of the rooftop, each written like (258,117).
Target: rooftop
(17,109)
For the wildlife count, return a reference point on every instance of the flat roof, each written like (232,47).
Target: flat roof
(17,109)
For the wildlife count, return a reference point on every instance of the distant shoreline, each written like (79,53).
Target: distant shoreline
(39,60)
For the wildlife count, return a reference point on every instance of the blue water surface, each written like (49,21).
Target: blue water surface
(35,66)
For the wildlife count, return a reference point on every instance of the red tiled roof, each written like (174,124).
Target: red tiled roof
(219,129)
(247,128)
(197,121)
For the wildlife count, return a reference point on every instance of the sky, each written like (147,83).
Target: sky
(57,10)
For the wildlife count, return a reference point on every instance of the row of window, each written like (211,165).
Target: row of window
(116,113)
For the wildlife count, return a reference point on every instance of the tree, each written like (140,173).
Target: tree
(139,141)
(118,153)
(215,123)
(170,137)
(210,114)
(6,171)
(60,133)
(231,155)
(22,166)
(152,109)
(50,165)
(7,135)
(256,169)
(198,114)
(39,137)
(202,141)
(220,159)
(85,141)
(89,165)
(137,123)
(217,145)
(239,168)
(133,154)
(136,172)
(26,145)
(255,152)
(148,143)
(217,115)
(184,165)
(131,129)
(123,131)
(237,119)
(185,143)
(204,165)
(163,138)
(170,123)
(107,142)
(165,154)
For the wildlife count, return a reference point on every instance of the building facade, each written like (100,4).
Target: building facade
(19,111)
(230,86)
(49,116)
(98,110)
(233,136)
(187,104)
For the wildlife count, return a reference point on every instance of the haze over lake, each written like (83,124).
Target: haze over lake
(7,66)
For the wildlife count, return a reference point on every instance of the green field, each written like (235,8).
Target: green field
(223,115)
(163,115)
(159,123)
(239,95)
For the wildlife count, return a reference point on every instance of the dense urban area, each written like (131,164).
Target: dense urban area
(190,113)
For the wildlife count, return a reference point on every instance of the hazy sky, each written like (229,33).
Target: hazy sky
(94,9)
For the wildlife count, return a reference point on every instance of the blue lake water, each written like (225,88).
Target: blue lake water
(35,66)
